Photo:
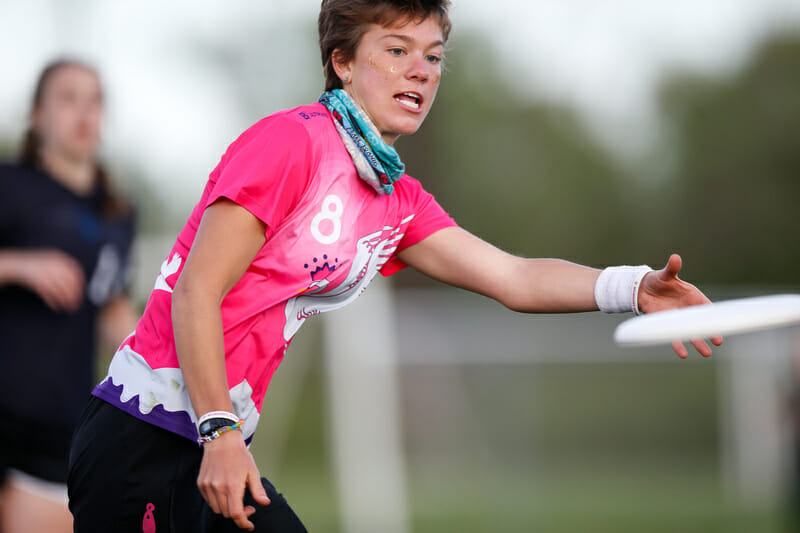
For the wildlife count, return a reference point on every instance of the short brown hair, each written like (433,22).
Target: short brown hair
(342,23)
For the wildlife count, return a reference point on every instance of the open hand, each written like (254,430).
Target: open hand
(662,290)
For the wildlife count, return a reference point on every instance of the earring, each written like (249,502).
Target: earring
(346,79)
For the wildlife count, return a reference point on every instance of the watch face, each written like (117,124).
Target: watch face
(215,423)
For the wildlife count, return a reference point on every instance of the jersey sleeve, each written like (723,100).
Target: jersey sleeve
(265,170)
(429,217)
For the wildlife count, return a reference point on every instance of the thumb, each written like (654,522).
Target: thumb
(257,488)
(673,267)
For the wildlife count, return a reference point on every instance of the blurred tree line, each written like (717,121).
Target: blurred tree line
(724,190)
(529,177)
(734,201)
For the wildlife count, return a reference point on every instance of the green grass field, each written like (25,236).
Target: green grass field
(661,498)
(600,448)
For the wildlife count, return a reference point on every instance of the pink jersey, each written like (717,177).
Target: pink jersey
(328,234)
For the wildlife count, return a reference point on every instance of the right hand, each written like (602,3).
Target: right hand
(227,468)
(54,276)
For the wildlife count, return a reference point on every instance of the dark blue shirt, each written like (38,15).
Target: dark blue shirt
(47,357)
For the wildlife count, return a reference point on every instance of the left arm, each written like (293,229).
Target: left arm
(455,256)
(458,258)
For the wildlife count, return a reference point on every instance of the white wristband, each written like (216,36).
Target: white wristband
(617,288)
(217,414)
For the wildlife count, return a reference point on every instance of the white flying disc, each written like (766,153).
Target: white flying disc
(727,317)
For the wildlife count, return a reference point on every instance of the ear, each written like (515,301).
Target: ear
(343,69)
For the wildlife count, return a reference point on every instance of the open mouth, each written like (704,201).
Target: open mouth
(409,99)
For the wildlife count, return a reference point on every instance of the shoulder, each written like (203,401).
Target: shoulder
(291,136)
(410,189)
(413,198)
(304,122)
(295,131)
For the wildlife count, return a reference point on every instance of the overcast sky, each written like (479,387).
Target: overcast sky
(172,113)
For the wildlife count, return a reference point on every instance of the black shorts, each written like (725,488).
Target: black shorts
(126,475)
(37,449)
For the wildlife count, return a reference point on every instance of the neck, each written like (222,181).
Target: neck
(76,174)
(387,137)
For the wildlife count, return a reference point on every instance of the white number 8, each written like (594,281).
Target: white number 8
(332,209)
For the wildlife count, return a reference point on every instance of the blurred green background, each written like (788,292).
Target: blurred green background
(607,447)
(603,448)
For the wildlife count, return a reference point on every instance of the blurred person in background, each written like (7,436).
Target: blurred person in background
(64,245)
(301,212)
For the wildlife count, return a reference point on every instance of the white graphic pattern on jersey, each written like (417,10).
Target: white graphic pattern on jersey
(165,387)
(167,269)
(372,252)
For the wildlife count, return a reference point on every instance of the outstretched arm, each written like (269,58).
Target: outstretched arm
(455,256)
(459,258)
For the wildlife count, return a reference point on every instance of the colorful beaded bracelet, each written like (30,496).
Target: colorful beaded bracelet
(217,433)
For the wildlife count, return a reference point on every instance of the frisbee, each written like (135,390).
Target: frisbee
(728,317)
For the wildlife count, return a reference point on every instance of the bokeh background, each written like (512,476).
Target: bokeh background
(600,132)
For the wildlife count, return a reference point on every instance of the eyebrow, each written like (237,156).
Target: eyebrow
(408,39)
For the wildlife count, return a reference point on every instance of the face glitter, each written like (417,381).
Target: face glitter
(374,64)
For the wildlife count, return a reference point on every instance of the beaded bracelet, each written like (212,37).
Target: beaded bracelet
(217,433)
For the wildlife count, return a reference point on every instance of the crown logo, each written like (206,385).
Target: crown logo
(322,270)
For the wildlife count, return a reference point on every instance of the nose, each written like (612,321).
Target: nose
(89,108)
(420,69)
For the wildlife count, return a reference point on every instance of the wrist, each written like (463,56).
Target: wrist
(12,266)
(617,288)
(230,440)
(216,428)
(215,419)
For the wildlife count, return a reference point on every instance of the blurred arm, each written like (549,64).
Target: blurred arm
(53,275)
(9,267)
(456,257)
(117,319)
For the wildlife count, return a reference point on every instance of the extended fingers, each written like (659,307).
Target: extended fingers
(680,349)
(673,266)
(237,511)
(700,345)
(257,488)
(226,498)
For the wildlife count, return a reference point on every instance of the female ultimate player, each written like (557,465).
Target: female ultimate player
(64,241)
(302,211)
